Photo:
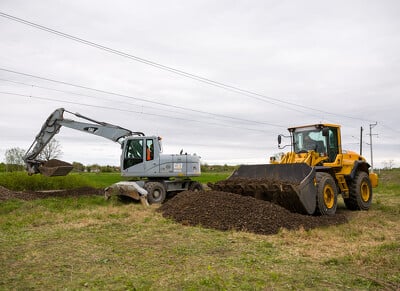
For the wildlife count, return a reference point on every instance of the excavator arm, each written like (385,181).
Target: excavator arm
(52,126)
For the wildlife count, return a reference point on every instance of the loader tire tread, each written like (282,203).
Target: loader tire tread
(326,194)
(360,196)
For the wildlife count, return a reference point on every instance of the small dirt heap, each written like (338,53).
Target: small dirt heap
(226,211)
(6,194)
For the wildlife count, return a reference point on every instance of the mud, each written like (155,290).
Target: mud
(6,194)
(55,167)
(56,163)
(230,211)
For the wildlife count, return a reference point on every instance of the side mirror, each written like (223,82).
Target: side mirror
(279,139)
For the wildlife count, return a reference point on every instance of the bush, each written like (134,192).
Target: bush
(21,181)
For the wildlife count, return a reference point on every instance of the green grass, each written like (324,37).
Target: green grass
(21,181)
(90,243)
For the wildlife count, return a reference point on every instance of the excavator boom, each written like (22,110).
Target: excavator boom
(52,126)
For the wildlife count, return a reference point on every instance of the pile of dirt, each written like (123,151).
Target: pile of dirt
(283,193)
(226,211)
(6,194)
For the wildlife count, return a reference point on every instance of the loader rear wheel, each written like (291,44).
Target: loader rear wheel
(156,192)
(326,194)
(360,197)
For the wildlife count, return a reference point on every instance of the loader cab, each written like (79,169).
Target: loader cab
(321,138)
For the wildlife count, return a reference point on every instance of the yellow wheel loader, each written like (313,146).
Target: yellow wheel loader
(309,178)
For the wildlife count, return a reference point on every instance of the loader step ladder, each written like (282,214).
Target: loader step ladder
(343,186)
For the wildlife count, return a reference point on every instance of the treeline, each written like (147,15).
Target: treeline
(95,168)
(78,167)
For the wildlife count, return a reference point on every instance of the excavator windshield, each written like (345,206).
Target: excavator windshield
(309,139)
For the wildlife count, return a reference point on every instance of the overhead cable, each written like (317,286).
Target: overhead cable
(245,92)
(130,111)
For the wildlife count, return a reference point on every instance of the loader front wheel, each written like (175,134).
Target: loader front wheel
(326,194)
(156,192)
(360,197)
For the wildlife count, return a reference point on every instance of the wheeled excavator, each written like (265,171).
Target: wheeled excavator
(156,174)
(309,178)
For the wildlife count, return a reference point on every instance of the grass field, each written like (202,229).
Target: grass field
(89,243)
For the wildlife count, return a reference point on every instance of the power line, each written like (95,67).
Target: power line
(245,92)
(131,111)
(140,99)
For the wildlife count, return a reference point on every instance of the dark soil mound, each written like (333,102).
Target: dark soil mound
(56,163)
(225,211)
(6,194)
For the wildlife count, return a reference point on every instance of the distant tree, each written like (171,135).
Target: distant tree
(78,167)
(14,159)
(2,167)
(388,165)
(51,151)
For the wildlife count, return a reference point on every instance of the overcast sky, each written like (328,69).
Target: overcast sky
(308,61)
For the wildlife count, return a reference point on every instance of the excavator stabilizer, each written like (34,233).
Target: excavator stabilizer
(55,167)
(289,185)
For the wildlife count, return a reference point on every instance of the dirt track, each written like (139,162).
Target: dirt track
(6,194)
(225,211)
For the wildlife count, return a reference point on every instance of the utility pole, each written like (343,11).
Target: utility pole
(370,144)
(361,131)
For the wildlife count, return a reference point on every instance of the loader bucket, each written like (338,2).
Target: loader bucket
(288,185)
(55,167)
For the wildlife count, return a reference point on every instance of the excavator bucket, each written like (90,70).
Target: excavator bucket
(289,185)
(55,167)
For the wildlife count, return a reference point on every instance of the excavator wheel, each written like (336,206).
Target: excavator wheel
(156,192)
(326,194)
(360,197)
(195,186)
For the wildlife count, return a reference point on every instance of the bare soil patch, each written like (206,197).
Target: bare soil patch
(6,194)
(226,211)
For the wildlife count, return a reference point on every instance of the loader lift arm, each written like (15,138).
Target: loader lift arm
(52,126)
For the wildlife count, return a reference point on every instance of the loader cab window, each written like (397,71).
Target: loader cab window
(133,153)
(306,140)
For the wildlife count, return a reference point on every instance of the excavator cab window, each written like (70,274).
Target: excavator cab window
(149,149)
(133,153)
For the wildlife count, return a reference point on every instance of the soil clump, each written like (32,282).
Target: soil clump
(6,194)
(230,211)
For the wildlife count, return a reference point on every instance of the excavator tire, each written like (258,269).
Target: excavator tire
(156,192)
(195,186)
(360,197)
(326,194)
